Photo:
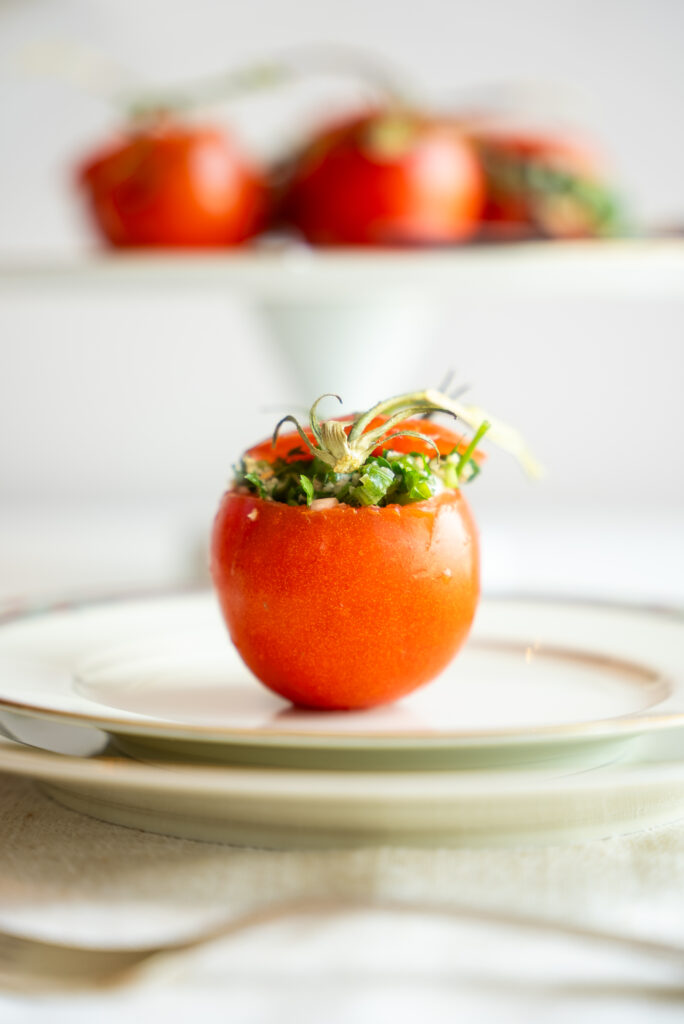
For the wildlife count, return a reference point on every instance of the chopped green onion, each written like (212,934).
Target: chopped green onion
(467,454)
(373,484)
(257,483)
(307,487)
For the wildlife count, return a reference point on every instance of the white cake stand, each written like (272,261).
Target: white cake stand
(343,315)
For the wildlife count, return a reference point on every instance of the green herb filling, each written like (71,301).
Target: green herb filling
(392,478)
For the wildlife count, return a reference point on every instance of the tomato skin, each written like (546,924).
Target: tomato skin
(344,607)
(354,186)
(170,184)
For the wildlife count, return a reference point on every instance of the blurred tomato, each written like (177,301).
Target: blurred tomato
(173,184)
(392,178)
(543,186)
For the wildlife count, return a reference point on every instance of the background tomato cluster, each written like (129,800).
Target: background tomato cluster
(389,176)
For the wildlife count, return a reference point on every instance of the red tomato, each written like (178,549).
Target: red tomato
(518,204)
(386,179)
(171,184)
(346,607)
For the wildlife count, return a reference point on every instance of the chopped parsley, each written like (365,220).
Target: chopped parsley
(392,478)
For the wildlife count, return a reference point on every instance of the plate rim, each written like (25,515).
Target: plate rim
(112,771)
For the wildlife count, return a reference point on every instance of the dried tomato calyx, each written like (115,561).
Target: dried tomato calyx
(345,449)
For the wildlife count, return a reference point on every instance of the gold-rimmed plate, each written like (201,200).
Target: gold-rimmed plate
(541,682)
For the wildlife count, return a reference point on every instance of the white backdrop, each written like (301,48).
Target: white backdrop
(129,401)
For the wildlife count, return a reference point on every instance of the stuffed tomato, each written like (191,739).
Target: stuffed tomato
(345,557)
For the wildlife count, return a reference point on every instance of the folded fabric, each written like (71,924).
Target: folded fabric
(74,879)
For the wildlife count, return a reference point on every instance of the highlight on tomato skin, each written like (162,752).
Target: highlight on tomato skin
(346,608)
(173,184)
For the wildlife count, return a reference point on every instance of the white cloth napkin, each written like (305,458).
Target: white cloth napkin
(74,879)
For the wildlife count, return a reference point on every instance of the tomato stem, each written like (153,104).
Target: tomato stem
(346,450)
(293,66)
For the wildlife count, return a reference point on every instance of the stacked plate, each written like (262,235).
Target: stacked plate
(560,720)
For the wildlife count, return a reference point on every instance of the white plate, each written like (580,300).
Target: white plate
(307,809)
(540,682)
